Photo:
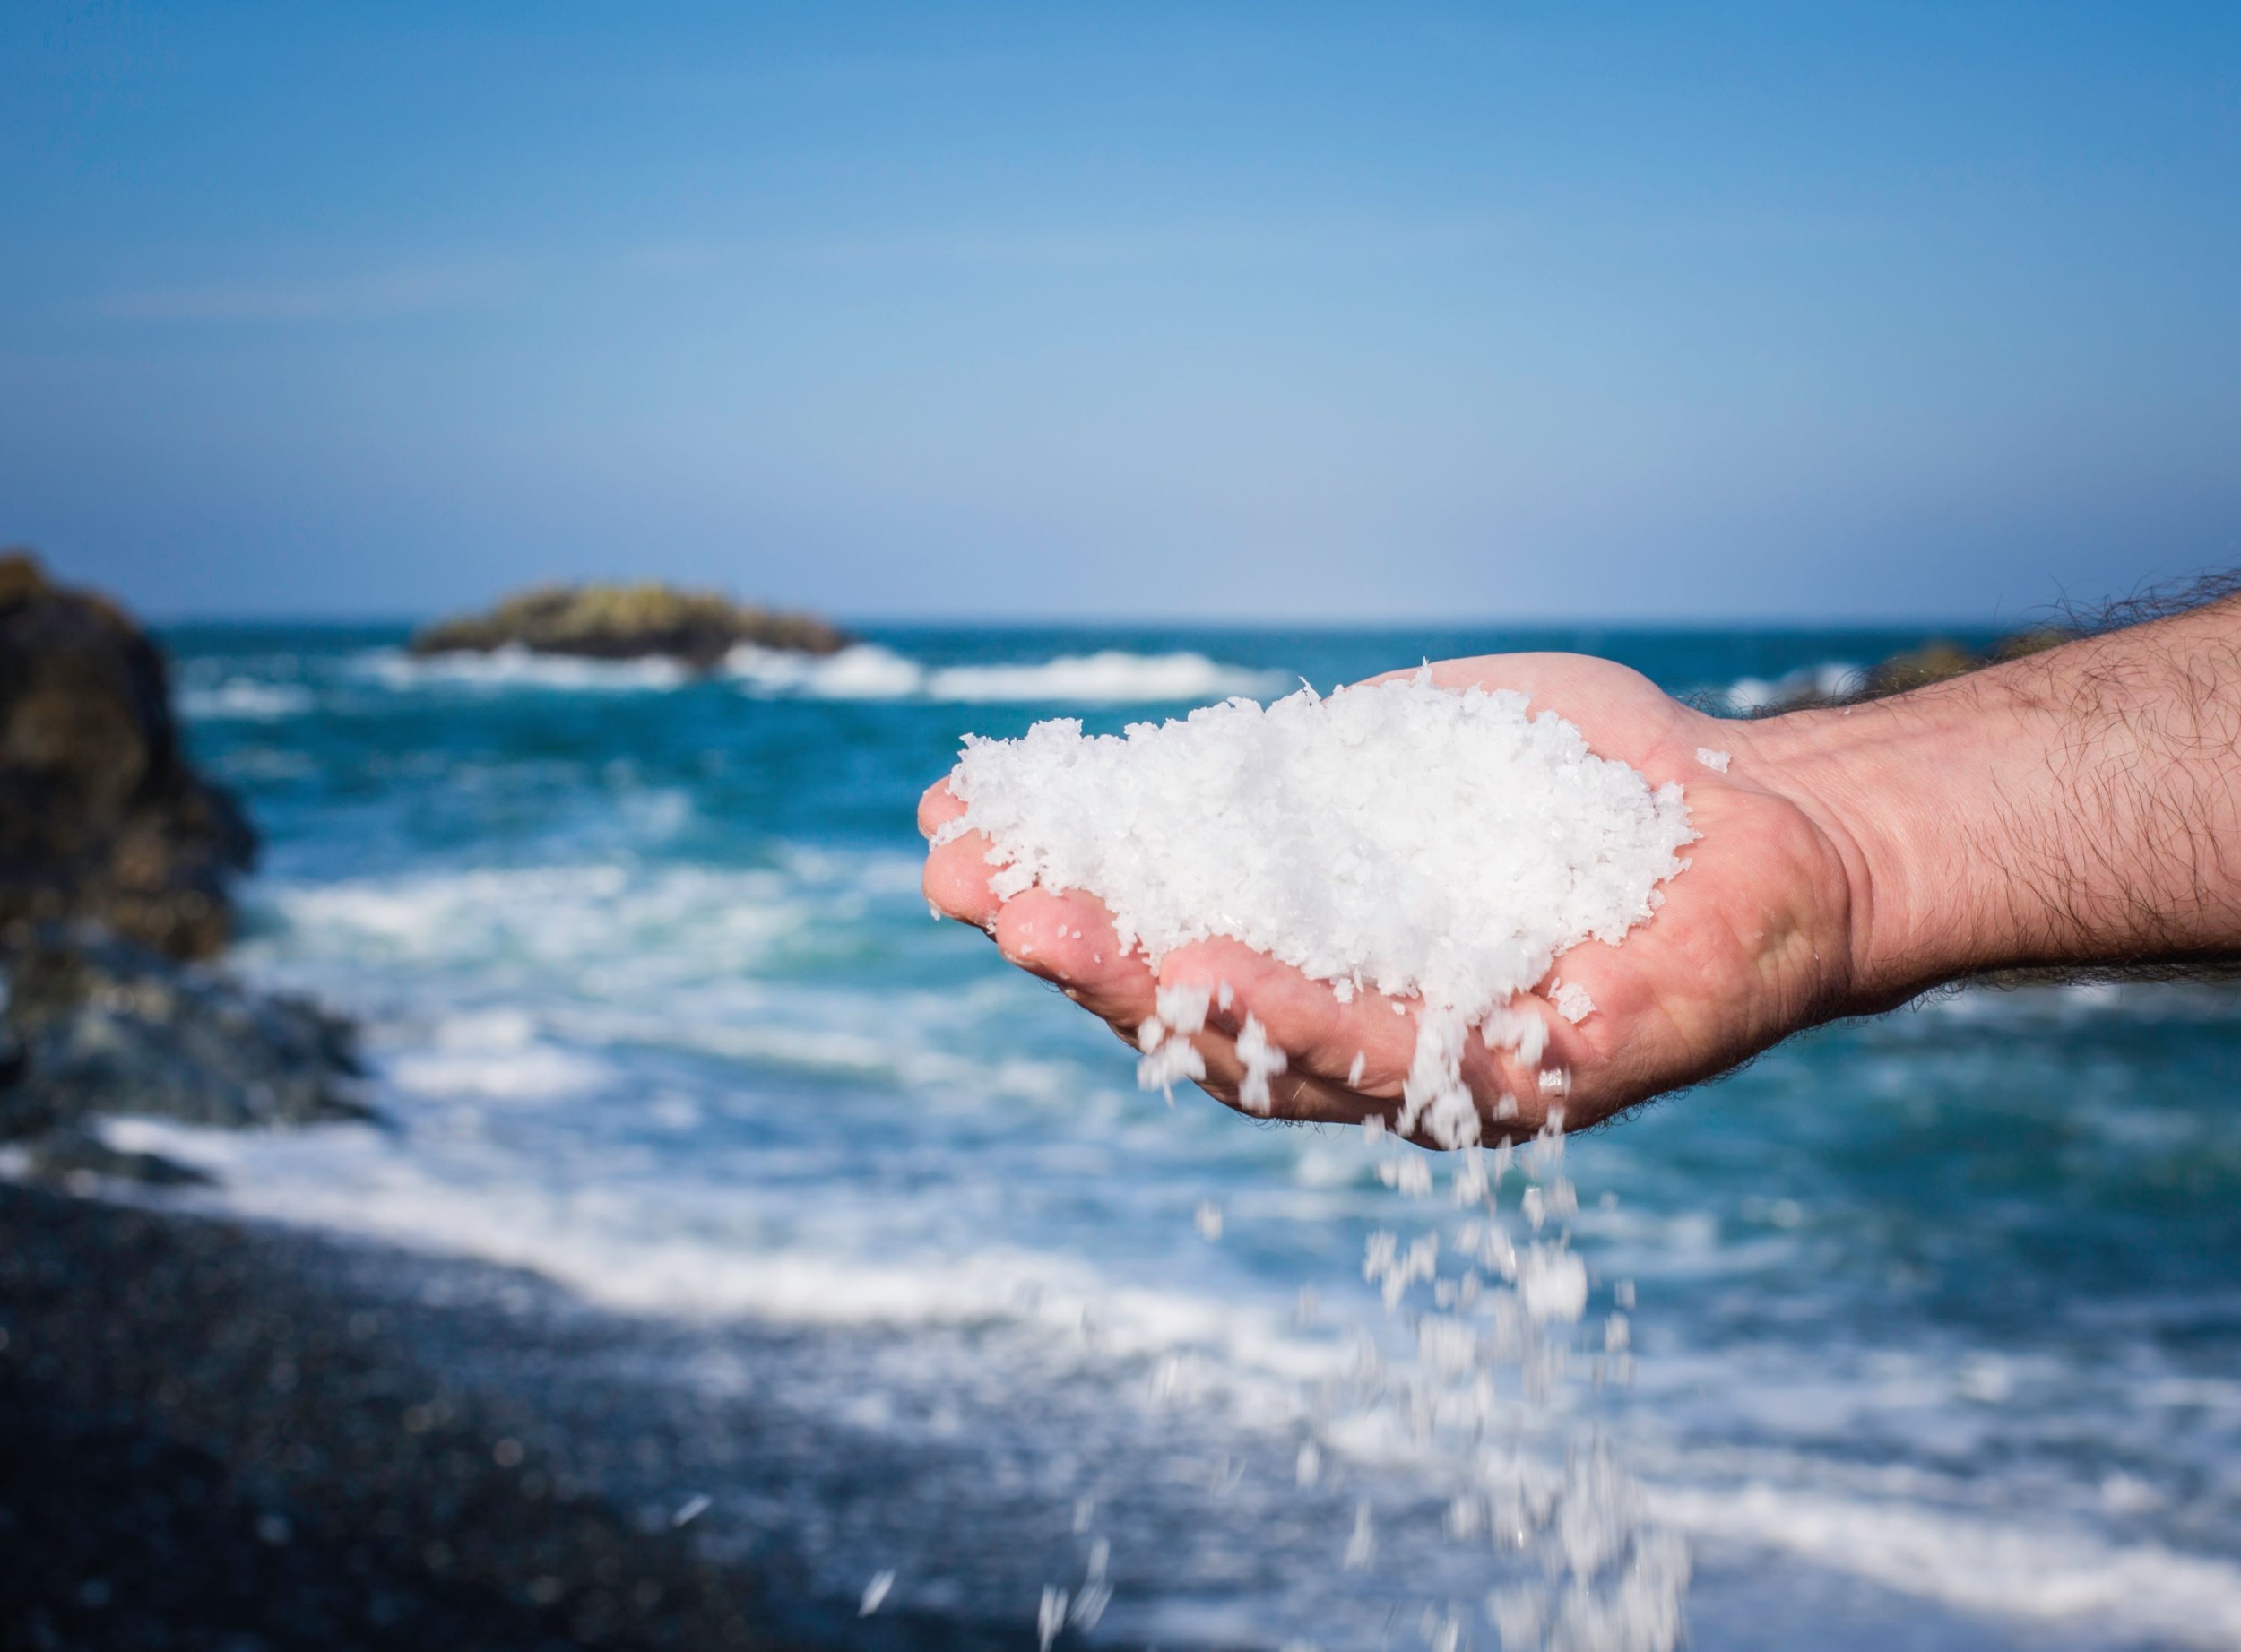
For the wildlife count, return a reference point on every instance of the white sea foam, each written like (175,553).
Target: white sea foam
(870,672)
(860,671)
(500,1056)
(1111,676)
(241,699)
(515,667)
(1832,679)
(699,1252)
(1978,1561)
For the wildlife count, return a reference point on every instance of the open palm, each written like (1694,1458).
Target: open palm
(1753,940)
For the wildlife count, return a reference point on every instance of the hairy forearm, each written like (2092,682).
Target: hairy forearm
(2077,807)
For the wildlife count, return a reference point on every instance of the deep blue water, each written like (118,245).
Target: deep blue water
(1938,1325)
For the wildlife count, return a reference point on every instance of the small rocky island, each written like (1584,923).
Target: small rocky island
(115,860)
(696,628)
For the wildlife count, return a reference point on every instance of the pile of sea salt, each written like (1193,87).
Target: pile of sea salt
(1440,847)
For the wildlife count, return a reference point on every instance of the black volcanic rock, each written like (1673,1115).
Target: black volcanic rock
(100,815)
(107,1027)
(628,622)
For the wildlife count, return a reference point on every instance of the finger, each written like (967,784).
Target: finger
(1067,938)
(956,880)
(937,806)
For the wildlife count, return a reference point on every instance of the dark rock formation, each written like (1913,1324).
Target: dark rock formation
(1935,661)
(113,859)
(627,622)
(100,815)
(105,1026)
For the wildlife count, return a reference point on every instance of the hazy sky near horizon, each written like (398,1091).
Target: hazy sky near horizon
(1314,312)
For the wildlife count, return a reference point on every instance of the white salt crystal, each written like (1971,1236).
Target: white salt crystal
(1716,761)
(1553,1283)
(1572,1002)
(1183,1007)
(1442,847)
(1355,1068)
(1172,1061)
(874,1592)
(1207,1220)
(1263,1061)
(1509,1027)
(1362,1546)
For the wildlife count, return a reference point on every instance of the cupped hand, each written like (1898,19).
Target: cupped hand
(1753,941)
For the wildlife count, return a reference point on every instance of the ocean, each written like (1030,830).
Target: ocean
(1935,1338)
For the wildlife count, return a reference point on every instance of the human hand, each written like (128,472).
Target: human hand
(1754,939)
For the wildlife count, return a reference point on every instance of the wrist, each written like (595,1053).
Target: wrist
(1908,793)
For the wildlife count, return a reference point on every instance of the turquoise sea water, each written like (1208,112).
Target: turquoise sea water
(1938,1322)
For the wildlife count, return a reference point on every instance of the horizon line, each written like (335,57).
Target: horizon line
(1139,622)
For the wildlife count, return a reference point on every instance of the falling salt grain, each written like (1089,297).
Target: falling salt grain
(1362,1546)
(1716,761)
(1263,1061)
(874,1592)
(1572,1002)
(1207,1220)
(1049,1617)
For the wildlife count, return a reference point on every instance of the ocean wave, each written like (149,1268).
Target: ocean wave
(515,667)
(496,1055)
(678,957)
(1110,677)
(861,671)
(1978,1561)
(703,1252)
(1832,680)
(242,699)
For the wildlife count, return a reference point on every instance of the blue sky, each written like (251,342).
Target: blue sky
(1297,312)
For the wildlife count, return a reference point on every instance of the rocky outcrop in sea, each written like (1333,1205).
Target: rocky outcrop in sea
(115,860)
(627,622)
(101,816)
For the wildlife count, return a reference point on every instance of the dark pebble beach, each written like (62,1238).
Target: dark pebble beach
(227,1437)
